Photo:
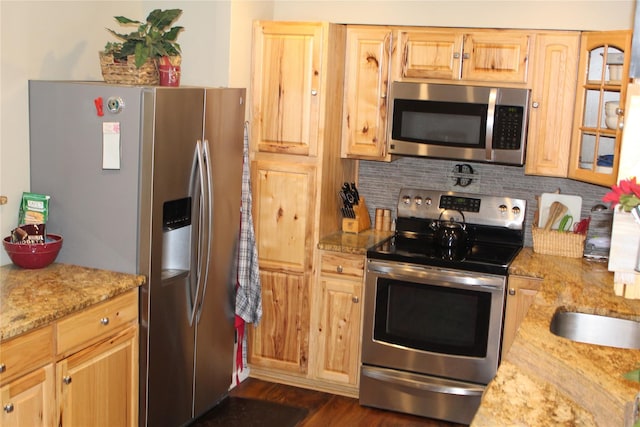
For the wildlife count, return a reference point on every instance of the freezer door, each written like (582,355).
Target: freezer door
(223,144)
(176,253)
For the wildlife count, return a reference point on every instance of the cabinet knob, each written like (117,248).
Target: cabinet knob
(456,55)
(535,104)
(512,291)
(466,55)
(8,408)
(3,368)
(314,92)
(104,321)
(339,269)
(355,300)
(66,380)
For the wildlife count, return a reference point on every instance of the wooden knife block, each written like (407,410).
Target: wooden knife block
(361,222)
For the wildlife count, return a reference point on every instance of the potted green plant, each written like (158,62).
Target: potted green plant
(151,42)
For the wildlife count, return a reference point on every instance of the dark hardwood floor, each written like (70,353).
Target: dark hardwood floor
(328,410)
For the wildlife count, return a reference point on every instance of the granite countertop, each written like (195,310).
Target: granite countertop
(354,243)
(548,380)
(33,298)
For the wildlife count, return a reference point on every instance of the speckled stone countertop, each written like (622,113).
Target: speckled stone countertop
(33,298)
(353,243)
(547,380)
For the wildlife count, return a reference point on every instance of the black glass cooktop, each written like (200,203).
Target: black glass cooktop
(480,256)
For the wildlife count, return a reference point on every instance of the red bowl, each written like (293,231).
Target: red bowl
(33,255)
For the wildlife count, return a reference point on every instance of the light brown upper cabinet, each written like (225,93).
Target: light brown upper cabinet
(367,70)
(599,116)
(462,54)
(287,87)
(554,73)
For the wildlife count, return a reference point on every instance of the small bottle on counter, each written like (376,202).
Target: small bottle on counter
(386,220)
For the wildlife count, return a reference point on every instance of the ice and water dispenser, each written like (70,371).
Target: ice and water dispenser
(176,237)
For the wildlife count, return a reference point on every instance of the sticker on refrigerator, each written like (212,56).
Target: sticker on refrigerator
(111,145)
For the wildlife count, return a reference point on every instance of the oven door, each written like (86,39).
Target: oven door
(433,321)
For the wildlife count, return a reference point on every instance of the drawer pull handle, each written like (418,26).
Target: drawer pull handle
(8,408)
(339,269)
(66,380)
(104,321)
(3,368)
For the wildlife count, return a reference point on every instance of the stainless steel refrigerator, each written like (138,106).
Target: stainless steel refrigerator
(148,180)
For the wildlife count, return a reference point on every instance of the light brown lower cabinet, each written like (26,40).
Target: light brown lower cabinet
(29,400)
(90,378)
(521,292)
(337,319)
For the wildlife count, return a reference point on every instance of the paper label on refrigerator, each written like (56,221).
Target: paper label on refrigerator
(111,145)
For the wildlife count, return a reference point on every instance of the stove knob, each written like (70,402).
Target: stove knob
(515,210)
(406,200)
(417,200)
(428,201)
(503,209)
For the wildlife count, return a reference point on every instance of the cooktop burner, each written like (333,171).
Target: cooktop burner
(488,231)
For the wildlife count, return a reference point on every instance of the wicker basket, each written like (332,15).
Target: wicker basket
(553,242)
(127,73)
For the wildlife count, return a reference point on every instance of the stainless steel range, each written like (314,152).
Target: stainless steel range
(434,303)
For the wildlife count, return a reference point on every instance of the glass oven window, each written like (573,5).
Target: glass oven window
(442,123)
(432,318)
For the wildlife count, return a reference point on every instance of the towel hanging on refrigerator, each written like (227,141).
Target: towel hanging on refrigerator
(248,289)
(248,296)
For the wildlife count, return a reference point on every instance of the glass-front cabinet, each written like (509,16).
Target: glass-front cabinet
(599,115)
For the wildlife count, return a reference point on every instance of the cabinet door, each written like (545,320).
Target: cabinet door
(499,56)
(364,124)
(29,400)
(555,74)
(286,86)
(98,386)
(281,339)
(520,295)
(283,202)
(338,329)
(600,99)
(430,54)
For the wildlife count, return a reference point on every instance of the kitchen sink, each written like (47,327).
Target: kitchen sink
(596,329)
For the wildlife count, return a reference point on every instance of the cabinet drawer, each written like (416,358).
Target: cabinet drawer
(94,323)
(25,353)
(342,264)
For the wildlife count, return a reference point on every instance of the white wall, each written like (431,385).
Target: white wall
(542,14)
(60,40)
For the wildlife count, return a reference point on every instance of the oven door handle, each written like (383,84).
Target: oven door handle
(444,388)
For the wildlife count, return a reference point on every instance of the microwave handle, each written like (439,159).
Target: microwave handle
(491,112)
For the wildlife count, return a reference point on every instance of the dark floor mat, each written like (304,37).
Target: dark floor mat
(243,412)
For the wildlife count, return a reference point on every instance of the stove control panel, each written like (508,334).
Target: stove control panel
(476,208)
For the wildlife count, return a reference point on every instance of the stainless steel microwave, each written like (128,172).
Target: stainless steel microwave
(473,123)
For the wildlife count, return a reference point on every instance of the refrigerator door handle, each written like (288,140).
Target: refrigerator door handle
(208,216)
(198,193)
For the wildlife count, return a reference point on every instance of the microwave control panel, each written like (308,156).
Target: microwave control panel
(507,127)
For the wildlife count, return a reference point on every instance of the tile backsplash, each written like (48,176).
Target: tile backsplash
(380,184)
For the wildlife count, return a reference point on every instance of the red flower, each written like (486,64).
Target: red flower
(626,193)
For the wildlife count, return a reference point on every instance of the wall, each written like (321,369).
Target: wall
(60,40)
(542,14)
(509,181)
